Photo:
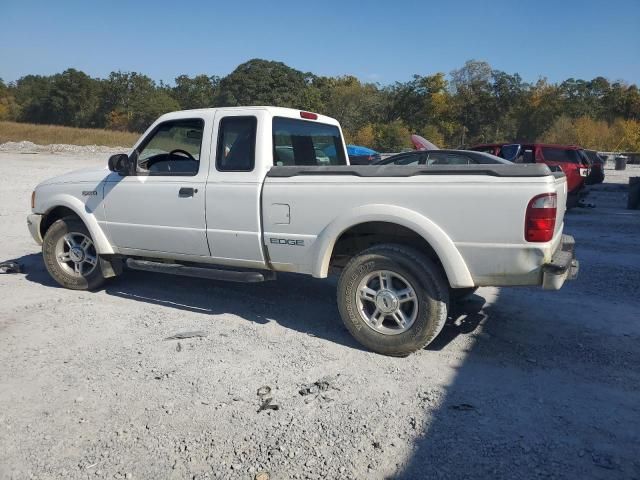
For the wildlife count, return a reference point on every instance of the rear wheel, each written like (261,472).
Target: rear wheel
(393,299)
(70,255)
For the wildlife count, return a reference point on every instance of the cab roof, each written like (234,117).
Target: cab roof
(274,111)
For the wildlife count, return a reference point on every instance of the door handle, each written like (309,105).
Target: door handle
(187,192)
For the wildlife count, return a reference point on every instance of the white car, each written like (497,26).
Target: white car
(201,194)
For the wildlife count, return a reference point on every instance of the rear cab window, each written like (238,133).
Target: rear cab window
(306,143)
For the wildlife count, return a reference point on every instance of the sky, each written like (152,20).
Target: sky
(378,41)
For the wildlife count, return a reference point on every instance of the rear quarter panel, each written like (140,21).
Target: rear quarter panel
(477,221)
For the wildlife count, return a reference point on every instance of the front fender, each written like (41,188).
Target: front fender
(86,212)
(453,263)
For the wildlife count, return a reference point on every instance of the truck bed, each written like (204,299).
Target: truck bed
(515,170)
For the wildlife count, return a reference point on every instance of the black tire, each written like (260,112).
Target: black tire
(426,279)
(460,294)
(54,234)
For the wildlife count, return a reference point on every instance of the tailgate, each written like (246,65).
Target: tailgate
(561,191)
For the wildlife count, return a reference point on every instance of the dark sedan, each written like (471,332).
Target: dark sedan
(596,170)
(442,157)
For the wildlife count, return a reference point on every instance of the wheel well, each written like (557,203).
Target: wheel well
(53,215)
(365,235)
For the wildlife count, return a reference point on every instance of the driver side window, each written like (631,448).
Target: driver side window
(172,149)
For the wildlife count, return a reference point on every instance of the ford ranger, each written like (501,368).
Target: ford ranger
(242,193)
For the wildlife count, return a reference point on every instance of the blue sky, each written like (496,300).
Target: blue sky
(380,41)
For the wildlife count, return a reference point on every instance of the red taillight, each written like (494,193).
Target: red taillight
(309,115)
(540,220)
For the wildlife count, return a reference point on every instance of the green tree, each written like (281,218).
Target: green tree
(31,94)
(391,136)
(197,92)
(147,108)
(72,99)
(8,106)
(352,103)
(474,104)
(421,101)
(543,106)
(263,82)
(134,100)
(474,107)
(508,104)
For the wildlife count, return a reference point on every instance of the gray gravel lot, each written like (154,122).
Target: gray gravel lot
(522,383)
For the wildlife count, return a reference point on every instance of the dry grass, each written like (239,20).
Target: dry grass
(48,134)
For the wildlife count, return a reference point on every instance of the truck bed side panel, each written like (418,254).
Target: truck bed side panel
(479,214)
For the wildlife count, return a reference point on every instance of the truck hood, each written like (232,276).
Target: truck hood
(86,175)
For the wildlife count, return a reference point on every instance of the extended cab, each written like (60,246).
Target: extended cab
(242,193)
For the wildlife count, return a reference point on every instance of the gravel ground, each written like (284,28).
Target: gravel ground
(521,383)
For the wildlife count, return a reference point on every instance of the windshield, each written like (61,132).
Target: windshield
(510,152)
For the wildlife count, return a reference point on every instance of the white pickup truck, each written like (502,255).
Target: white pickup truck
(242,193)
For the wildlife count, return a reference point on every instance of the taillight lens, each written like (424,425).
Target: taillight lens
(540,220)
(309,115)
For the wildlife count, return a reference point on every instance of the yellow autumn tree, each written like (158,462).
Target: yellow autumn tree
(365,136)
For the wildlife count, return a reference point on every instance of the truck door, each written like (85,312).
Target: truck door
(161,206)
(235,185)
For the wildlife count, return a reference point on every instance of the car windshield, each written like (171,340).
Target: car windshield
(593,156)
(510,152)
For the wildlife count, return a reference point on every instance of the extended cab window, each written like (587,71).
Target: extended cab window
(302,142)
(173,148)
(236,144)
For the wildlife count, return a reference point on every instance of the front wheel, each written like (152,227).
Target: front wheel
(70,255)
(393,299)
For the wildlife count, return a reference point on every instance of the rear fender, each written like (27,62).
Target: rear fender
(453,263)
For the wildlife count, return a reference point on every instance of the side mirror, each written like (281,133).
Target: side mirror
(120,163)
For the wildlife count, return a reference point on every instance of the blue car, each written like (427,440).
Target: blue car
(362,155)
(357,155)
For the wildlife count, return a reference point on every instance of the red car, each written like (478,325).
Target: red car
(570,158)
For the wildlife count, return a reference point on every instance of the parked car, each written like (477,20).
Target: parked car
(596,167)
(362,155)
(569,158)
(407,240)
(284,155)
(443,157)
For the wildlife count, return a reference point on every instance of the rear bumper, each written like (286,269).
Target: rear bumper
(563,265)
(33,222)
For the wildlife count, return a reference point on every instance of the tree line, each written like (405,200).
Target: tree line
(473,104)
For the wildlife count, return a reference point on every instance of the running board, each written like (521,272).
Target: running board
(246,276)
